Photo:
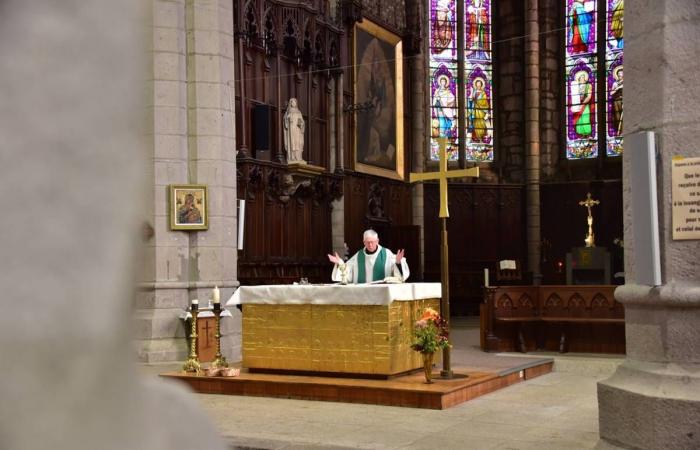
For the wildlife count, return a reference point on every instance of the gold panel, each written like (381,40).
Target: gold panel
(363,339)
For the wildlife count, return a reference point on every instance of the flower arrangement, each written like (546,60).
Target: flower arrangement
(430,333)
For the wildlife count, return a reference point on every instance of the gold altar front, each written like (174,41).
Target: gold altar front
(358,339)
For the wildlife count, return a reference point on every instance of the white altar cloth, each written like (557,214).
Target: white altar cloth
(334,294)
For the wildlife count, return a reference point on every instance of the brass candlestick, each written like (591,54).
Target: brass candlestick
(192,363)
(219,360)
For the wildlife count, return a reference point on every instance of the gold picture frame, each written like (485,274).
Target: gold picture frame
(378,143)
(189,207)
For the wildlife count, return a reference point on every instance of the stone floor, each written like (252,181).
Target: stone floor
(554,411)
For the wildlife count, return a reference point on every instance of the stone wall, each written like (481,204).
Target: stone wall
(192,142)
(551,68)
(509,89)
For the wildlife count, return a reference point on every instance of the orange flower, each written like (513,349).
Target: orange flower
(429,314)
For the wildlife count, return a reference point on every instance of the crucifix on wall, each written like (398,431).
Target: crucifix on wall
(442,175)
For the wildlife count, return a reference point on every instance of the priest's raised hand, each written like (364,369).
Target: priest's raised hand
(335,259)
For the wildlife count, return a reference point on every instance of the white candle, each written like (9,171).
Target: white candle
(215,294)
(486,277)
(195,301)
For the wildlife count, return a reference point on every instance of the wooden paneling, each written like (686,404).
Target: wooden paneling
(486,224)
(397,210)
(287,224)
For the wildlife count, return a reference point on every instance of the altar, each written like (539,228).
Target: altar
(351,329)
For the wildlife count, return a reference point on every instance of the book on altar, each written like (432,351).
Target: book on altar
(389,280)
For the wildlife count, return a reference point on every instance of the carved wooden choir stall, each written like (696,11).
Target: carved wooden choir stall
(583,318)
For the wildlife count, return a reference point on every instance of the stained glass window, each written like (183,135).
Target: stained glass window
(581,47)
(444,113)
(584,61)
(614,75)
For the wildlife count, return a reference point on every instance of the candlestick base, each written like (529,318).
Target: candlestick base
(192,365)
(219,362)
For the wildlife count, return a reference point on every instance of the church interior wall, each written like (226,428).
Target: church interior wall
(564,183)
(280,212)
(284,215)
(191,143)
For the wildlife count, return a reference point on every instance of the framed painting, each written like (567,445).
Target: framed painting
(378,108)
(189,208)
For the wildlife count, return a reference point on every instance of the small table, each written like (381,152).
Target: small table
(206,331)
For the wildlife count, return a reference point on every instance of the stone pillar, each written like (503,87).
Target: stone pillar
(550,86)
(212,159)
(76,164)
(510,133)
(653,399)
(532,138)
(193,143)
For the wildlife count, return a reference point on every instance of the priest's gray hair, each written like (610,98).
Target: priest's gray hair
(370,234)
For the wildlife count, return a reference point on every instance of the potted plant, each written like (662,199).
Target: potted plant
(429,335)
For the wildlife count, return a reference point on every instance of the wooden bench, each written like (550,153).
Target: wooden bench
(509,311)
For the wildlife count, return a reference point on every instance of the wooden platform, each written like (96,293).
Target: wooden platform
(408,391)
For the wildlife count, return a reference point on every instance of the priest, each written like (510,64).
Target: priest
(372,263)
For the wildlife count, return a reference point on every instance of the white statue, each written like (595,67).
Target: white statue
(294,132)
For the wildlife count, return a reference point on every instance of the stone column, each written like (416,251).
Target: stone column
(550,86)
(653,399)
(212,159)
(193,143)
(77,166)
(510,50)
(532,138)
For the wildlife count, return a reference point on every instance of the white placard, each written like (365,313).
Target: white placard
(685,197)
(640,148)
(241,223)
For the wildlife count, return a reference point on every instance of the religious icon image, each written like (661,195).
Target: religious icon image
(187,211)
(477,29)
(444,106)
(188,207)
(378,131)
(479,112)
(294,127)
(442,26)
(616,101)
(581,27)
(582,108)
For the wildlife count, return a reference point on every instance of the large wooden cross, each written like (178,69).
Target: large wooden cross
(443,174)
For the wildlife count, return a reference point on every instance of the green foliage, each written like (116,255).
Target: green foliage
(430,333)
